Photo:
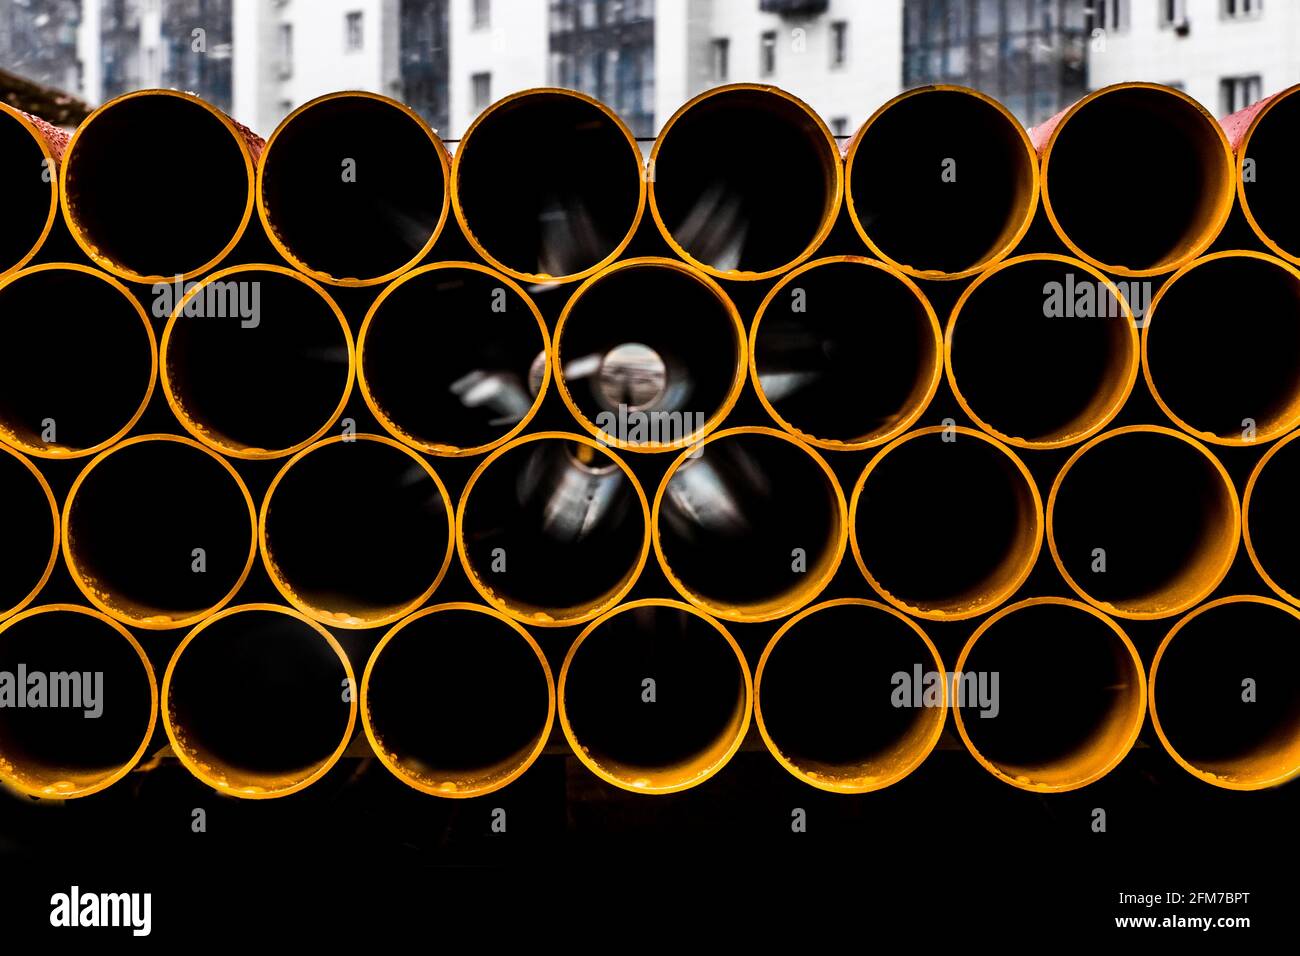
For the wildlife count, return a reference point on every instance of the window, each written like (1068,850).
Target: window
(284,51)
(481,84)
(1238,92)
(839,43)
(1108,15)
(1173,13)
(767,53)
(840,125)
(352,35)
(482,18)
(719,57)
(1241,9)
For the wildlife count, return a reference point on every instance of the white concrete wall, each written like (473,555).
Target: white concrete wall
(513,48)
(1215,47)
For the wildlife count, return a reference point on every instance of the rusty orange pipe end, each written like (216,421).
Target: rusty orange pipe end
(457,700)
(750,524)
(30,152)
(839,696)
(553,529)
(259,701)
(1042,351)
(1148,225)
(845,382)
(352,188)
(1263,140)
(1210,382)
(663,376)
(1223,695)
(32,520)
(377,562)
(1143,522)
(713,172)
(941,154)
(547,185)
(97,704)
(1270,518)
(139,548)
(1049,695)
(655,697)
(112,192)
(971,502)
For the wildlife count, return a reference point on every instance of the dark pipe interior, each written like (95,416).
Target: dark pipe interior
(259,693)
(27,192)
(371,221)
(845,352)
(1035,375)
(1273,195)
(1274,517)
(443,366)
(568,521)
(1199,691)
(549,184)
(900,190)
(827,691)
(383,552)
(731,519)
(1067,691)
(745,180)
(699,689)
(459,697)
(29,531)
(290,360)
(137,518)
(690,331)
(1206,373)
(78,352)
(1146,222)
(943,525)
(1157,507)
(196,180)
(49,746)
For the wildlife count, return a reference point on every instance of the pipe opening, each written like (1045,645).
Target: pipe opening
(443,367)
(354,187)
(553,529)
(1227,731)
(655,697)
(827,696)
(255,701)
(1051,695)
(31,190)
(548,184)
(942,155)
(751,524)
(113,196)
(651,355)
(1272,200)
(380,559)
(288,347)
(458,701)
(1206,377)
(1167,219)
(1271,517)
(79,702)
(158,532)
(81,361)
(1143,522)
(846,380)
(1042,351)
(947,523)
(30,544)
(713,190)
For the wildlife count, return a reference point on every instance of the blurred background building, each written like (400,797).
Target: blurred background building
(451,58)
